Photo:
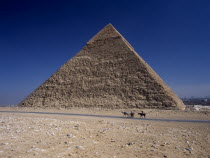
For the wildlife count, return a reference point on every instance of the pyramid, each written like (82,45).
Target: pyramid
(106,73)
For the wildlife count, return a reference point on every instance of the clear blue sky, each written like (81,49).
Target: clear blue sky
(37,37)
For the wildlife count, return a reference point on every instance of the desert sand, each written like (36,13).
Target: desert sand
(28,135)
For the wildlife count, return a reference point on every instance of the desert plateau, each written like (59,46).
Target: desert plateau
(80,132)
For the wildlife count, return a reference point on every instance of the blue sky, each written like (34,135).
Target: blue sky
(37,37)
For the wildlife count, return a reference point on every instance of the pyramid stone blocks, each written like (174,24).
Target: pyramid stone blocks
(106,73)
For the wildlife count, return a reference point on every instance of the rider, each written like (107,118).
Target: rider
(132,114)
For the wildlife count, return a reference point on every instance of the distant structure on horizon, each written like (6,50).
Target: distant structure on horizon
(197,101)
(106,73)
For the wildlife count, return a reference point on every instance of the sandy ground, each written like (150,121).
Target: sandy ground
(37,135)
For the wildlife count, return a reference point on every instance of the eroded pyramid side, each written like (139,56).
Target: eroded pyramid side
(106,73)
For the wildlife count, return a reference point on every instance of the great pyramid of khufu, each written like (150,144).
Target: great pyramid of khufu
(106,73)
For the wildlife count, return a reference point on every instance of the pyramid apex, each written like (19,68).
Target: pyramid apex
(108,31)
(109,25)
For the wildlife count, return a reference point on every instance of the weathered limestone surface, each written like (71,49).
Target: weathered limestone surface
(106,73)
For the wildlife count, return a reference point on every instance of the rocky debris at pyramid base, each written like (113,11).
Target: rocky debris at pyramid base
(106,73)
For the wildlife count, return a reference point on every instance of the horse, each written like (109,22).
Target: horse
(142,114)
(125,114)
